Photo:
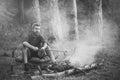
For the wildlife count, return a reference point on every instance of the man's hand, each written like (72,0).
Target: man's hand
(42,48)
(36,48)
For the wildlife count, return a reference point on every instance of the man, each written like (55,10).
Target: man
(36,48)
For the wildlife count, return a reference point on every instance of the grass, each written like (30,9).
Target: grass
(110,70)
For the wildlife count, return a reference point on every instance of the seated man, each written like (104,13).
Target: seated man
(38,49)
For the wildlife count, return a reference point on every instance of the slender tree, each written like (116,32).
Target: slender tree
(37,10)
(75,19)
(22,11)
(56,20)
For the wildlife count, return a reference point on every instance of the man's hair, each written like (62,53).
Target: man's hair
(35,24)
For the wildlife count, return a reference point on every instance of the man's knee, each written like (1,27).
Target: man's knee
(24,43)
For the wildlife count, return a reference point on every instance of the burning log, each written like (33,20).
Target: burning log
(60,66)
(71,71)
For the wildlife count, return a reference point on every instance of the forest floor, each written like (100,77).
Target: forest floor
(109,71)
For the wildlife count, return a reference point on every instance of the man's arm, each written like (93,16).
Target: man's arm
(51,55)
(26,44)
(44,45)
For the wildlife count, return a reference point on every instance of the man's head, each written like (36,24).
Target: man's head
(36,28)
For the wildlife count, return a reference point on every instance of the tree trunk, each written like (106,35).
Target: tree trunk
(22,11)
(75,19)
(37,11)
(56,20)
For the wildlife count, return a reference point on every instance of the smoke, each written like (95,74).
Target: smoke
(91,44)
(83,51)
(80,51)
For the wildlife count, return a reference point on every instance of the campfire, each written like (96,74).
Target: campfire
(65,69)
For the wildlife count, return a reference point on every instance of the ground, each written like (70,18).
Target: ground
(110,70)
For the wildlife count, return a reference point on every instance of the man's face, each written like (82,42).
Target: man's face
(37,29)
